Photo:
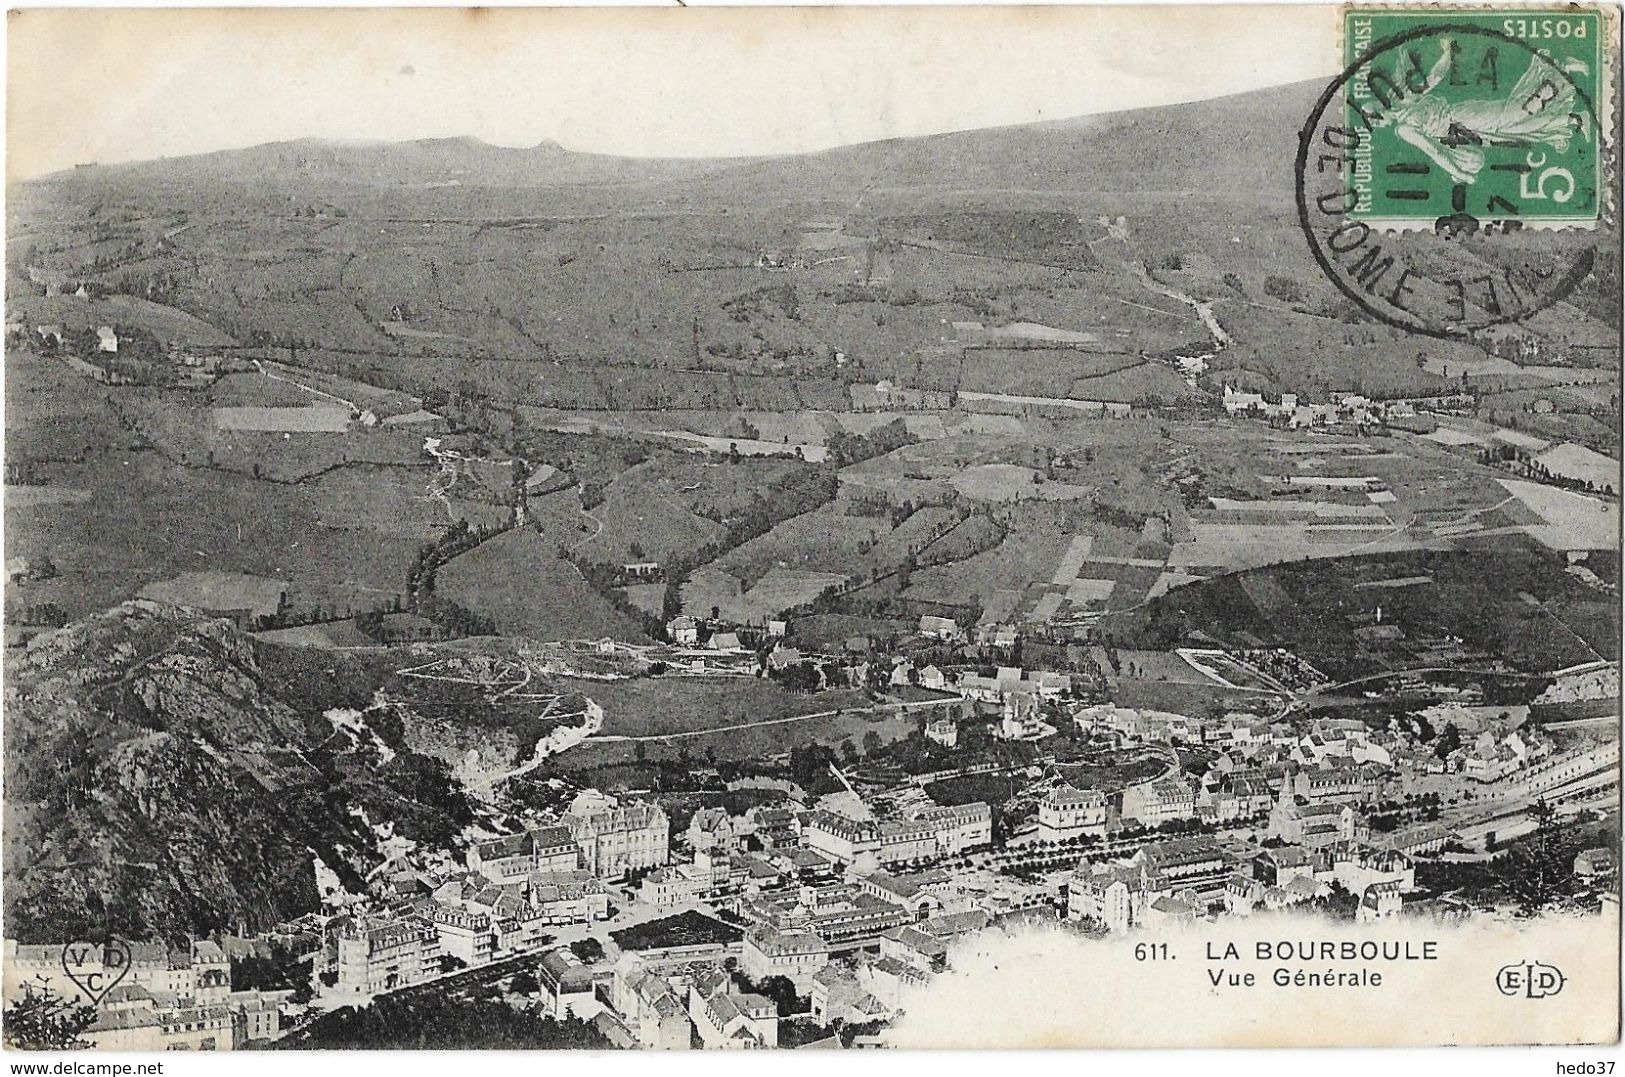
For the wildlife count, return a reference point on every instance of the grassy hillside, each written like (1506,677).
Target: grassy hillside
(519,581)
(585,282)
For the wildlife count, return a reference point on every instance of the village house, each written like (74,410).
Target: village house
(1592,864)
(1312,825)
(131,1018)
(514,856)
(957,828)
(375,954)
(1021,719)
(727,1021)
(1170,909)
(1242,794)
(795,955)
(711,828)
(1340,785)
(651,1008)
(567,985)
(840,838)
(614,839)
(1380,901)
(943,731)
(567,897)
(1356,866)
(838,996)
(1243,894)
(725,641)
(1151,804)
(1066,813)
(199,973)
(468,936)
(1278,867)
(1197,864)
(921,949)
(714,873)
(840,913)
(1012,681)
(921,893)
(1108,895)
(890,980)
(1418,840)
(925,834)
(1296,892)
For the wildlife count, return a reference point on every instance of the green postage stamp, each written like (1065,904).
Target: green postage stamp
(1488,113)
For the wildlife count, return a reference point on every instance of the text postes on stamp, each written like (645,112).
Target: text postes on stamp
(1488,113)
(1453,177)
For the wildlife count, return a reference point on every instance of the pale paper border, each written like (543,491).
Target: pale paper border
(1029,989)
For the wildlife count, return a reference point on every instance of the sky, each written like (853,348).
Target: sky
(98,85)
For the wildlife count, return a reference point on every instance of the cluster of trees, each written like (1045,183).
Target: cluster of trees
(780,989)
(808,767)
(44,614)
(800,492)
(808,676)
(376,626)
(41,1020)
(1285,289)
(1516,459)
(434,1021)
(914,754)
(846,448)
(457,539)
(157,287)
(279,970)
(607,580)
(757,301)
(1447,742)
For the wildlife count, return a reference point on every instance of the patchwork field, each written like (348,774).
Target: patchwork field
(1571,521)
(1472,612)
(518,580)
(778,590)
(827,540)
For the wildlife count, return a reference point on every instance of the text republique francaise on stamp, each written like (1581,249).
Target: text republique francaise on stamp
(1451,178)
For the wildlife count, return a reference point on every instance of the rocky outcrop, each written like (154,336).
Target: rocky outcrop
(155,786)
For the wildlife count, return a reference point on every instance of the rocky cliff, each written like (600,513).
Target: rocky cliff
(157,784)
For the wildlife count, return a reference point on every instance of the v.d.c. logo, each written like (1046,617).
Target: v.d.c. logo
(1529,980)
(96,967)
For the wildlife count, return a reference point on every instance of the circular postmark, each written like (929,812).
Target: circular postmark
(1451,179)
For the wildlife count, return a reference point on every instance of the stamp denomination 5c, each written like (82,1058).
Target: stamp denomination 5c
(1488,112)
(1455,176)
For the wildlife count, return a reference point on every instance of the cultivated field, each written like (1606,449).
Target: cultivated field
(518,580)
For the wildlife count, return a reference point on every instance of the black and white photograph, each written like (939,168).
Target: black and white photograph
(832,528)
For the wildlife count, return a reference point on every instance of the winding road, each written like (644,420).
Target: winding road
(899,707)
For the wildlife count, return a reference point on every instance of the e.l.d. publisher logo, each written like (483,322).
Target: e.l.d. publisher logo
(1529,980)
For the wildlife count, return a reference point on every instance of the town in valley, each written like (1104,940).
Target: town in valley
(460,596)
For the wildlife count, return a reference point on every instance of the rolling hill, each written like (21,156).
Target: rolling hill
(749,275)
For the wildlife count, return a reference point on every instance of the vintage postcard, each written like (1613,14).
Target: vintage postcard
(812,528)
